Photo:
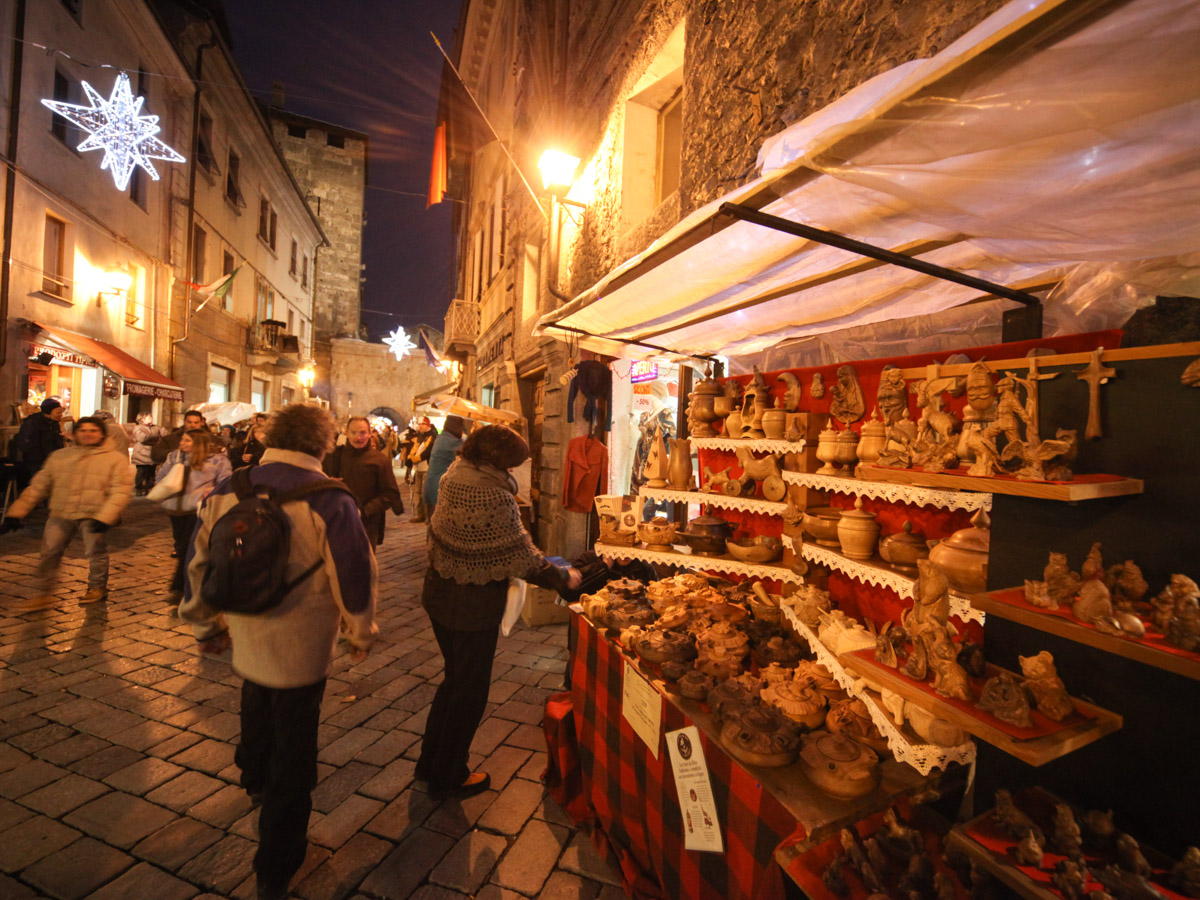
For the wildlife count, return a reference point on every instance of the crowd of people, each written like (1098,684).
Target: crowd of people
(300,505)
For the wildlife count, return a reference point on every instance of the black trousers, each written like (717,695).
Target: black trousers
(458,705)
(181,531)
(144,479)
(278,758)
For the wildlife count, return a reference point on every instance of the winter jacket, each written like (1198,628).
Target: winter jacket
(165,445)
(38,437)
(143,438)
(445,449)
(82,483)
(197,483)
(422,449)
(292,644)
(368,473)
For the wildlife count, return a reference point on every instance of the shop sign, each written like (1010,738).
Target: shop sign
(66,356)
(641,370)
(140,389)
(702,826)
(492,351)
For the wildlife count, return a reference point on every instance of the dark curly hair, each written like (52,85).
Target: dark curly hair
(306,429)
(495,445)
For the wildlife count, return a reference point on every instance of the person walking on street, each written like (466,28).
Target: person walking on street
(406,445)
(445,450)
(249,452)
(285,653)
(39,436)
(419,454)
(88,484)
(145,433)
(477,543)
(368,473)
(193,420)
(203,467)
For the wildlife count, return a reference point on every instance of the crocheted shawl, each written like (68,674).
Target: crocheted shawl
(476,535)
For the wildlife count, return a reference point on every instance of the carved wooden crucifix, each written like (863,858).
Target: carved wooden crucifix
(1095,375)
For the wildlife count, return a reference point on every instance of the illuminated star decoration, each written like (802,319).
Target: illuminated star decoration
(114,126)
(400,343)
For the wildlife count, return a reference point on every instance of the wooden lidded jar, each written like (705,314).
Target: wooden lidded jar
(858,532)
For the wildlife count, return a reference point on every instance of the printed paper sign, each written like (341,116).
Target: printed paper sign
(701,828)
(641,705)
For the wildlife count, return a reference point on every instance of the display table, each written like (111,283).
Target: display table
(629,796)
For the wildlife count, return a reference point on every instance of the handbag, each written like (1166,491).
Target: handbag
(171,484)
(513,605)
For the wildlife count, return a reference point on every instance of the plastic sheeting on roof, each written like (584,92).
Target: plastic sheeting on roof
(1055,142)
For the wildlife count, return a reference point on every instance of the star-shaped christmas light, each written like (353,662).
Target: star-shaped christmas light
(114,126)
(400,343)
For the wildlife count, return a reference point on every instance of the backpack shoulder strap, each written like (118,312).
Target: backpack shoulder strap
(241,483)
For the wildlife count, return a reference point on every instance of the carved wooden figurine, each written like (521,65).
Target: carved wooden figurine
(1095,374)
(1043,684)
(892,396)
(847,405)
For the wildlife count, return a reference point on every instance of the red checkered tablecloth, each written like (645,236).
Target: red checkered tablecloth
(629,797)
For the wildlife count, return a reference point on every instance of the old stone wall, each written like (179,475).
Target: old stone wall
(366,375)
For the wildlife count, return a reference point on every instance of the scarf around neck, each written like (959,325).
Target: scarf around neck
(476,535)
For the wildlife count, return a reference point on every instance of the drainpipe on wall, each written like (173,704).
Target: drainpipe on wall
(191,216)
(10,177)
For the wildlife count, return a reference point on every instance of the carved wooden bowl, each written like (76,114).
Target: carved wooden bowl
(821,523)
(631,614)
(726,636)
(760,550)
(658,646)
(774,673)
(851,719)
(657,534)
(729,698)
(719,662)
(626,589)
(816,676)
(674,617)
(696,685)
(777,650)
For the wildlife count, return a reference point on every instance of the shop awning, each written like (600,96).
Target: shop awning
(1056,140)
(140,379)
(449,405)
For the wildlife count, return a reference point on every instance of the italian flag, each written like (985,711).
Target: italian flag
(214,291)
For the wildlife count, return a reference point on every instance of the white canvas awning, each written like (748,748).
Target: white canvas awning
(450,405)
(1056,140)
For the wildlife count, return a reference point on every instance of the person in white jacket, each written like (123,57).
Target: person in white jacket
(88,484)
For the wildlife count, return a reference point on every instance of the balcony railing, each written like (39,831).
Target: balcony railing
(462,325)
(268,336)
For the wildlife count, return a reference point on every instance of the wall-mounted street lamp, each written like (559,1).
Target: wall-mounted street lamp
(558,171)
(114,284)
(306,377)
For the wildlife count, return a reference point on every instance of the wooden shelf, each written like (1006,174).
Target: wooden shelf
(682,556)
(892,492)
(1085,487)
(1010,875)
(875,571)
(1036,752)
(760,445)
(1072,629)
(725,501)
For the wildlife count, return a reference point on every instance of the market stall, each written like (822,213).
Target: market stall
(961,509)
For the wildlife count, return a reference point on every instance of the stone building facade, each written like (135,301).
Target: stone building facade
(666,104)
(95,300)
(330,163)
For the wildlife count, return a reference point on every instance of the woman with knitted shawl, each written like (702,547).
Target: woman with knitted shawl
(476,544)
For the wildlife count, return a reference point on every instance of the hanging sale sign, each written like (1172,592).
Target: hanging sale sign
(641,705)
(640,371)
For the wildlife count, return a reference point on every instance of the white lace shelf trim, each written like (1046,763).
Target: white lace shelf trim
(761,445)
(705,563)
(960,606)
(922,757)
(893,492)
(725,501)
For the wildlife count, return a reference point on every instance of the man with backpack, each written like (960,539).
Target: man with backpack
(280,559)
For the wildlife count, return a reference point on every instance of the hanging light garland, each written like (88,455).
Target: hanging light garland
(115,126)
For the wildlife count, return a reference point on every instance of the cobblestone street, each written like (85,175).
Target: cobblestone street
(117,741)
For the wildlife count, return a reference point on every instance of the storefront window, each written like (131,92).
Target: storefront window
(220,384)
(260,393)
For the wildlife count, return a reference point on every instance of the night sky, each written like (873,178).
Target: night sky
(369,65)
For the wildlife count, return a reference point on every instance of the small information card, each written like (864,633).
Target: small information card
(641,705)
(701,828)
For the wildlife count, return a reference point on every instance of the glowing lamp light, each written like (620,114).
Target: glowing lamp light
(115,126)
(558,170)
(307,376)
(116,283)
(400,343)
